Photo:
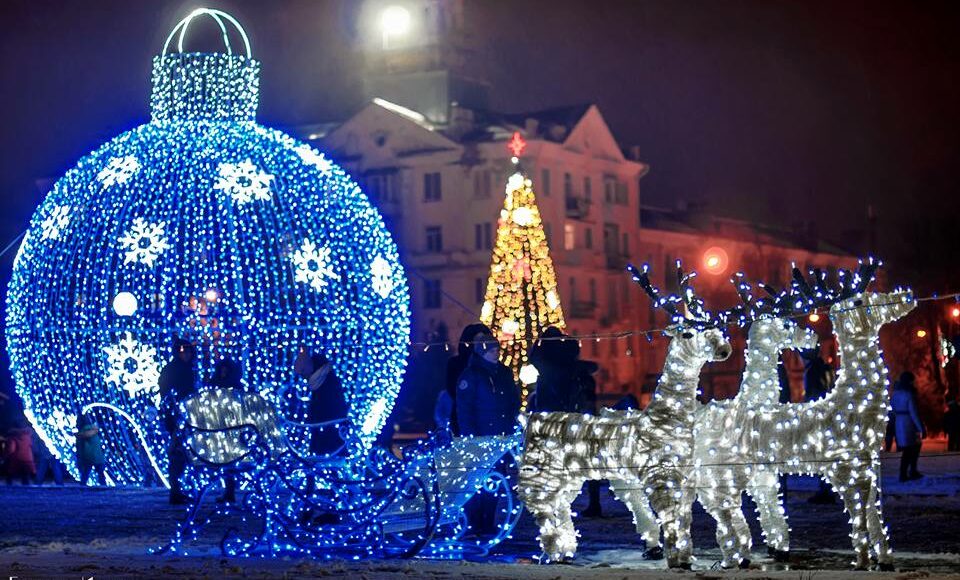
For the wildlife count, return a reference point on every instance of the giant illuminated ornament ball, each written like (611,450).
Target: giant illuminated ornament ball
(205,225)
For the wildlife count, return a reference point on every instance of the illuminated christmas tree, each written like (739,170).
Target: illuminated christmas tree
(521,298)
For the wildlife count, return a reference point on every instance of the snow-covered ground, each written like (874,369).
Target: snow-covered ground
(74,532)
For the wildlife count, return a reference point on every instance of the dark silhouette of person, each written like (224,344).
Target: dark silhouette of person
(909,425)
(951,425)
(327,402)
(457,364)
(178,380)
(488,403)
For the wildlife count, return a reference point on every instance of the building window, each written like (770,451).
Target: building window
(622,197)
(483,236)
(587,189)
(482,183)
(548,233)
(609,189)
(593,291)
(545,181)
(595,345)
(434,238)
(573,293)
(625,250)
(588,238)
(478,290)
(431,186)
(567,185)
(569,237)
(432,294)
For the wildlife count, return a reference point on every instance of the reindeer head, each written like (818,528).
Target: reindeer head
(866,312)
(694,330)
(770,327)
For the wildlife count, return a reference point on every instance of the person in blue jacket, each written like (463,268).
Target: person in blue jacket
(488,401)
(908,425)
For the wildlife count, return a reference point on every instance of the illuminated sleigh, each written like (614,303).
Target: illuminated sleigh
(344,504)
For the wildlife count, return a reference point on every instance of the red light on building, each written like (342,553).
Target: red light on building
(715,260)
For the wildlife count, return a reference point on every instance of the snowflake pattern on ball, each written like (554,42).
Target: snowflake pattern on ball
(119,170)
(381,276)
(63,423)
(312,265)
(56,221)
(311,157)
(244,182)
(133,367)
(144,242)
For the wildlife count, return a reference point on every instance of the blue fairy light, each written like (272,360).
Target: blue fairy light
(203,224)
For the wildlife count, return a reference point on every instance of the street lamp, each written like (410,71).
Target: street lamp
(394,21)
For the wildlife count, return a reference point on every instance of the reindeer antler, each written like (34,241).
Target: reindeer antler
(693,302)
(642,277)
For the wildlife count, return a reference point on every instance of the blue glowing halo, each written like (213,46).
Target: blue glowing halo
(237,236)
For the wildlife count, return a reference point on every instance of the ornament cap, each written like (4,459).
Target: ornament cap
(205,86)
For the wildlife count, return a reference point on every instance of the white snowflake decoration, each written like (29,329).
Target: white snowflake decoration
(119,170)
(63,423)
(133,367)
(312,265)
(311,157)
(244,182)
(144,242)
(381,274)
(55,222)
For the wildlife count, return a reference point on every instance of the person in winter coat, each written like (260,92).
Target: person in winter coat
(488,401)
(951,425)
(909,425)
(178,380)
(327,401)
(46,461)
(18,459)
(557,390)
(457,364)
(89,449)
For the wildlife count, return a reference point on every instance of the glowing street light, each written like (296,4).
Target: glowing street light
(715,260)
(921,333)
(955,312)
(814,317)
(394,21)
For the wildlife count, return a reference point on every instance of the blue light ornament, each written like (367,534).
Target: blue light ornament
(203,224)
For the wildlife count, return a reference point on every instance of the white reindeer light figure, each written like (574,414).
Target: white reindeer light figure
(839,436)
(647,456)
(728,456)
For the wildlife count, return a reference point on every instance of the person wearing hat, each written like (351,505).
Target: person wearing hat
(178,380)
(327,401)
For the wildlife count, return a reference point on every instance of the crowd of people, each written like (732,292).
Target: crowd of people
(480,398)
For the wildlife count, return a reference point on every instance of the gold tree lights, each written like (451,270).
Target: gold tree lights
(521,298)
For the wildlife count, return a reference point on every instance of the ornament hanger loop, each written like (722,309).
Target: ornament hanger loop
(219,16)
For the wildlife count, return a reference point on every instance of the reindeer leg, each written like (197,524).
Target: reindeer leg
(643,518)
(854,503)
(674,509)
(551,511)
(723,503)
(764,488)
(878,533)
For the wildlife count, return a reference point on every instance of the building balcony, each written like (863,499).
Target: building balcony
(616,260)
(577,207)
(582,309)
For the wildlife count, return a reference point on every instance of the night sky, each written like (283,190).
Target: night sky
(781,111)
